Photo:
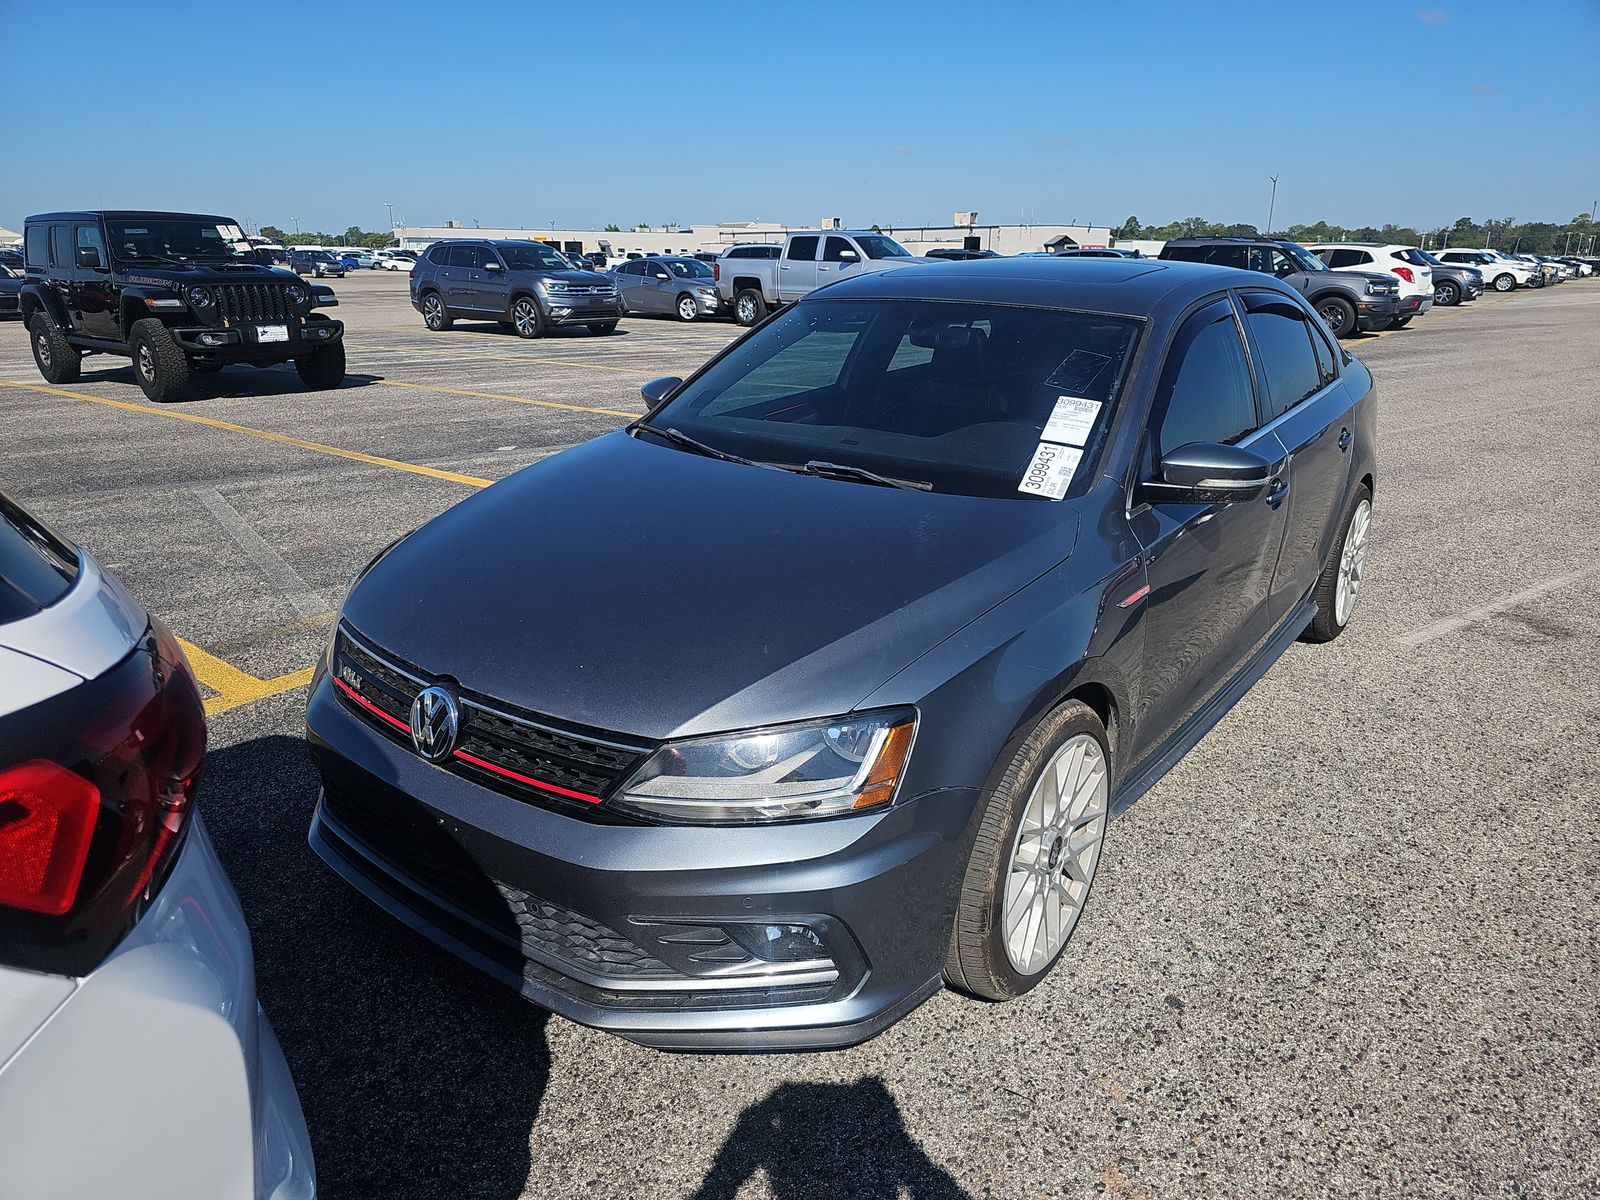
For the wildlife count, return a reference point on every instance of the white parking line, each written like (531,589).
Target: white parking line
(301,596)
(1483,612)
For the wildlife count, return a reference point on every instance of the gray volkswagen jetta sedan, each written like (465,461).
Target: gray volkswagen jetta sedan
(752,725)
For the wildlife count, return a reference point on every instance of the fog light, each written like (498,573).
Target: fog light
(213,339)
(779,943)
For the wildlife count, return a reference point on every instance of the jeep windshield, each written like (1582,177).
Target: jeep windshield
(532,256)
(875,245)
(173,239)
(954,396)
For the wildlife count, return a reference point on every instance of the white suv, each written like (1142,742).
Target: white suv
(1502,274)
(1405,263)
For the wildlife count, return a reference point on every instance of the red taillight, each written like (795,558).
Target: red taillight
(47,817)
(716,272)
(1405,273)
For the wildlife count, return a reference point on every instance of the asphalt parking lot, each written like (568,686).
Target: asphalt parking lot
(1347,947)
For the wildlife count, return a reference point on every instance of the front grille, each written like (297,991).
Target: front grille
(253,302)
(583,289)
(552,759)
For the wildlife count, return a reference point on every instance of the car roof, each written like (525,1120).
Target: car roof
(1134,287)
(122,213)
(1206,241)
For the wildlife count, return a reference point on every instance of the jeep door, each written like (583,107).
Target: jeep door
(1209,566)
(1308,408)
(94,298)
(63,275)
(797,272)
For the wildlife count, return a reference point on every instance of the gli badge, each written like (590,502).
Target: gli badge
(435,722)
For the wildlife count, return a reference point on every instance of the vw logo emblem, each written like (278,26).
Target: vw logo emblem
(435,721)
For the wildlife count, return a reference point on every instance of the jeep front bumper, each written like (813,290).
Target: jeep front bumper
(259,341)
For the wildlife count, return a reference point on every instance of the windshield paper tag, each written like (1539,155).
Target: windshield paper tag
(1050,472)
(231,233)
(1071,420)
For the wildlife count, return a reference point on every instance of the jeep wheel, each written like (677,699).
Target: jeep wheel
(434,314)
(159,363)
(323,368)
(749,307)
(601,328)
(526,318)
(58,361)
(1505,282)
(688,308)
(1338,314)
(1446,292)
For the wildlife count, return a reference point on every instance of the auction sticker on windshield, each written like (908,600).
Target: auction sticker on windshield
(272,333)
(1071,420)
(1050,472)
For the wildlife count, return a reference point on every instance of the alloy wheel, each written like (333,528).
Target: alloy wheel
(1055,853)
(1352,562)
(41,347)
(524,317)
(688,309)
(146,363)
(747,311)
(432,311)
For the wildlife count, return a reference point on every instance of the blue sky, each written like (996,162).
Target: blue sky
(578,115)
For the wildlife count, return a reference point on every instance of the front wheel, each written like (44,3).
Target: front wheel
(1338,314)
(601,328)
(1399,322)
(1034,857)
(58,361)
(1505,282)
(749,307)
(323,368)
(688,309)
(1446,293)
(1342,577)
(159,363)
(434,314)
(526,319)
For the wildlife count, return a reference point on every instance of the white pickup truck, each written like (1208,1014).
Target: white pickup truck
(754,285)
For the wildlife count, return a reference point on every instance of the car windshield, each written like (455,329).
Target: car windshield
(7,273)
(532,256)
(1303,258)
(177,239)
(688,268)
(952,394)
(875,245)
(321,256)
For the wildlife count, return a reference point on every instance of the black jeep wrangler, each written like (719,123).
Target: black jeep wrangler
(179,293)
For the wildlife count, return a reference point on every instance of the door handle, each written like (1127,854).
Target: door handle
(1276,492)
(1345,438)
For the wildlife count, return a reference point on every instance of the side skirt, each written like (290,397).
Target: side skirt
(1188,735)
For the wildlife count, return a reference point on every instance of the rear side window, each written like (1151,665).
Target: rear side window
(1205,393)
(38,251)
(1283,339)
(60,246)
(802,249)
(463,256)
(1184,253)
(1347,258)
(36,567)
(1226,256)
(438,255)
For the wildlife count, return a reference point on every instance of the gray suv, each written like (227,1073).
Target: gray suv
(526,286)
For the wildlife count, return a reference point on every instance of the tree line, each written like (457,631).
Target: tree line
(1581,235)
(353,237)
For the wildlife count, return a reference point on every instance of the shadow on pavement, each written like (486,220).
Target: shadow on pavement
(419,1076)
(828,1139)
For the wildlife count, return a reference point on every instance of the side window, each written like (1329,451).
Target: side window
(1184,253)
(439,254)
(1226,256)
(89,239)
(1205,393)
(38,247)
(487,255)
(60,246)
(1343,258)
(463,256)
(1284,341)
(833,250)
(769,252)
(802,249)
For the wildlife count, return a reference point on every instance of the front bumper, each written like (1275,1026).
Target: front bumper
(241,341)
(1375,312)
(639,929)
(168,1026)
(579,310)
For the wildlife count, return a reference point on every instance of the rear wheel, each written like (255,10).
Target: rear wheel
(526,319)
(57,359)
(1505,282)
(1338,314)
(434,314)
(323,368)
(749,308)
(1342,577)
(1034,857)
(601,328)
(1446,293)
(1399,322)
(159,363)
(688,308)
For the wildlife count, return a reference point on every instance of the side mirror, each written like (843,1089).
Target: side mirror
(662,275)
(849,256)
(492,266)
(658,390)
(1208,473)
(88,256)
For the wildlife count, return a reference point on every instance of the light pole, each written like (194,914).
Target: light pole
(390,207)
(296,221)
(1272,205)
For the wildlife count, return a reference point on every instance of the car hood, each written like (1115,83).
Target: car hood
(584,278)
(650,591)
(205,273)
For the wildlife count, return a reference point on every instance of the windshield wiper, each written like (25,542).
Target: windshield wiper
(678,438)
(844,471)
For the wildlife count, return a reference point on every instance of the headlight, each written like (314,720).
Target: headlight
(198,296)
(296,294)
(550,285)
(783,773)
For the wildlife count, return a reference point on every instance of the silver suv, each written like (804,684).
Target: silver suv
(526,286)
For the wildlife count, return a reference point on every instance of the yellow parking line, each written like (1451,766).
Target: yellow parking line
(522,358)
(264,434)
(428,387)
(234,687)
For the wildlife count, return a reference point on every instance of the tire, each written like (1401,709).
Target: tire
(749,308)
(601,328)
(159,363)
(57,359)
(1339,315)
(1399,322)
(434,314)
(1447,293)
(687,308)
(323,368)
(1009,860)
(527,321)
(1340,584)
(1505,282)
